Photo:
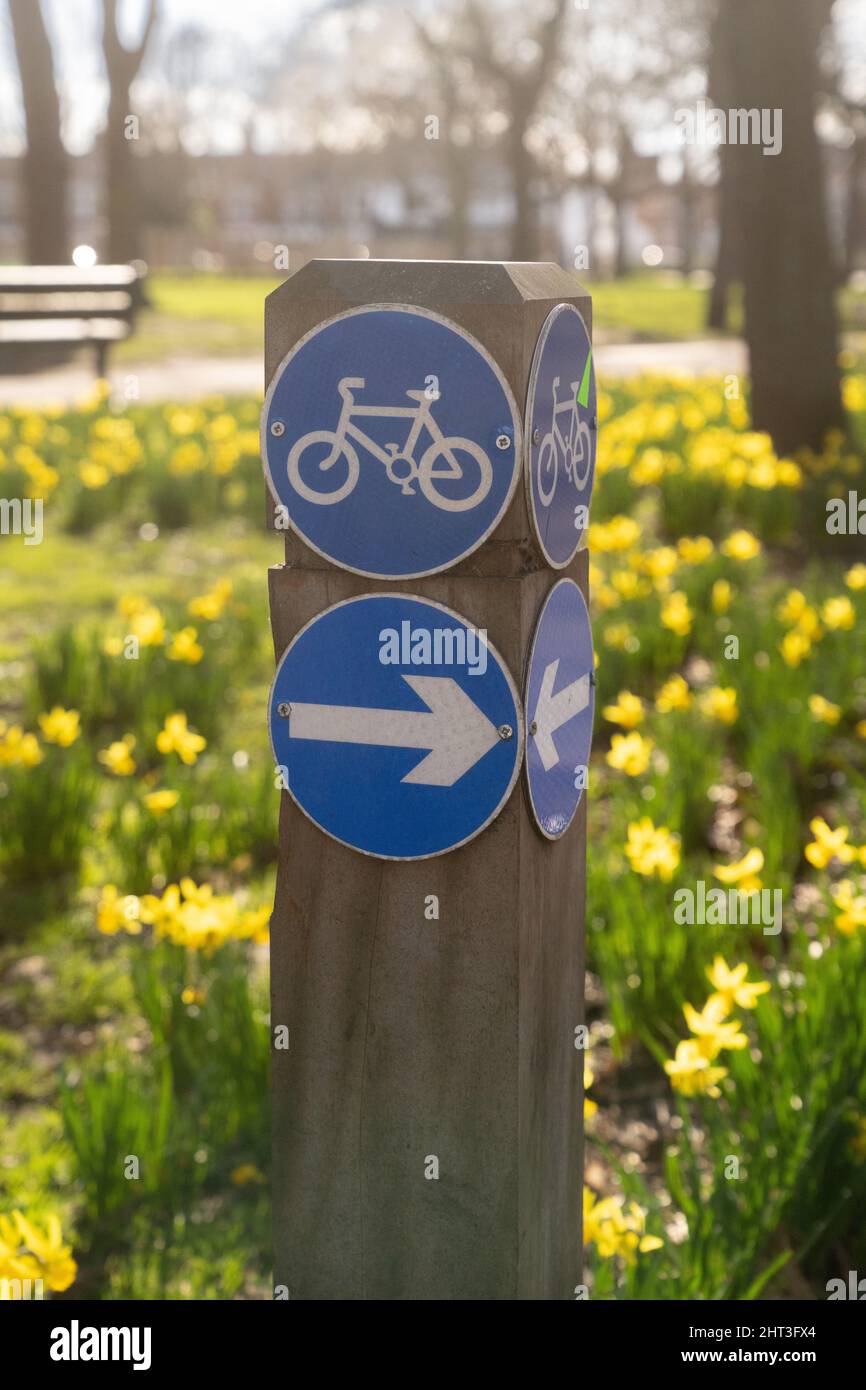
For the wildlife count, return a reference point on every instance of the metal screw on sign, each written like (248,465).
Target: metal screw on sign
(278,428)
(284,710)
(505,731)
(503,441)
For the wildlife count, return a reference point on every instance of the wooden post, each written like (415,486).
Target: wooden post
(412,1039)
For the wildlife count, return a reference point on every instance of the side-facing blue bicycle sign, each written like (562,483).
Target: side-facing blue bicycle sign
(392,441)
(396,726)
(561,434)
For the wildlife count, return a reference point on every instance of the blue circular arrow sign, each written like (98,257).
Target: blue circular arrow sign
(392,440)
(396,726)
(560,703)
(561,434)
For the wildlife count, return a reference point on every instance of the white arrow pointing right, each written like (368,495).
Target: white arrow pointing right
(552,711)
(453,728)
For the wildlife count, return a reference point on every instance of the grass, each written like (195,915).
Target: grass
(206,315)
(133,1017)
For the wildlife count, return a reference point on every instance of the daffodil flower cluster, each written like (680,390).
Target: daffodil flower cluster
(187,914)
(616,1228)
(692,1071)
(29,1251)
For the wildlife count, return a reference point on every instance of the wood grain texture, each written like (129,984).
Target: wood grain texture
(410,1037)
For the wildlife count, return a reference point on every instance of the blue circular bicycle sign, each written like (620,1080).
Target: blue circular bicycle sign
(561,434)
(392,441)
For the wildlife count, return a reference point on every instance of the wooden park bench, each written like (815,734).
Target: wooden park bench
(47,309)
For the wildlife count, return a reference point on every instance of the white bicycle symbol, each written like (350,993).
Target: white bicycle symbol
(438,462)
(574,445)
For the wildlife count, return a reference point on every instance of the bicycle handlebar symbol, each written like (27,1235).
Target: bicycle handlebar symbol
(438,462)
(574,446)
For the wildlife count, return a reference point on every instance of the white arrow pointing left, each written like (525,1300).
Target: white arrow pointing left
(552,711)
(453,728)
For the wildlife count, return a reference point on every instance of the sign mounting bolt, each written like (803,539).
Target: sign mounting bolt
(533,728)
(536,435)
(284,710)
(278,428)
(505,731)
(503,441)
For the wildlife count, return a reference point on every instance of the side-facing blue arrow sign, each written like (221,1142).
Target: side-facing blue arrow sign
(559,708)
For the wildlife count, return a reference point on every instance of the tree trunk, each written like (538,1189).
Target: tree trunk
(524,228)
(44,167)
(458,190)
(123,204)
(688,220)
(855,210)
(621,265)
(727,254)
(788,271)
(122,192)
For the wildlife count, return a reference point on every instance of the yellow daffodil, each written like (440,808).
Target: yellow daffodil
(630,753)
(792,607)
(652,849)
(60,726)
(711,1028)
(159,802)
(691,1073)
(838,614)
(18,748)
(720,597)
(828,844)
(620,533)
(856,577)
(850,907)
(741,545)
(627,711)
(93,475)
(693,550)
(115,913)
(177,737)
(208,607)
(674,695)
(823,711)
(732,985)
(148,626)
(743,874)
(809,623)
(42,1251)
(616,1228)
(117,757)
(794,646)
(661,562)
(676,614)
(184,647)
(195,917)
(720,702)
(589,1105)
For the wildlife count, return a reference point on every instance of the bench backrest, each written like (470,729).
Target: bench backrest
(65,292)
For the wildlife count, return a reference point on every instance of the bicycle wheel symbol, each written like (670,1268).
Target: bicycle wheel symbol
(429,476)
(339,450)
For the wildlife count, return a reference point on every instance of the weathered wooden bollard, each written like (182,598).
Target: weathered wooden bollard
(429,437)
